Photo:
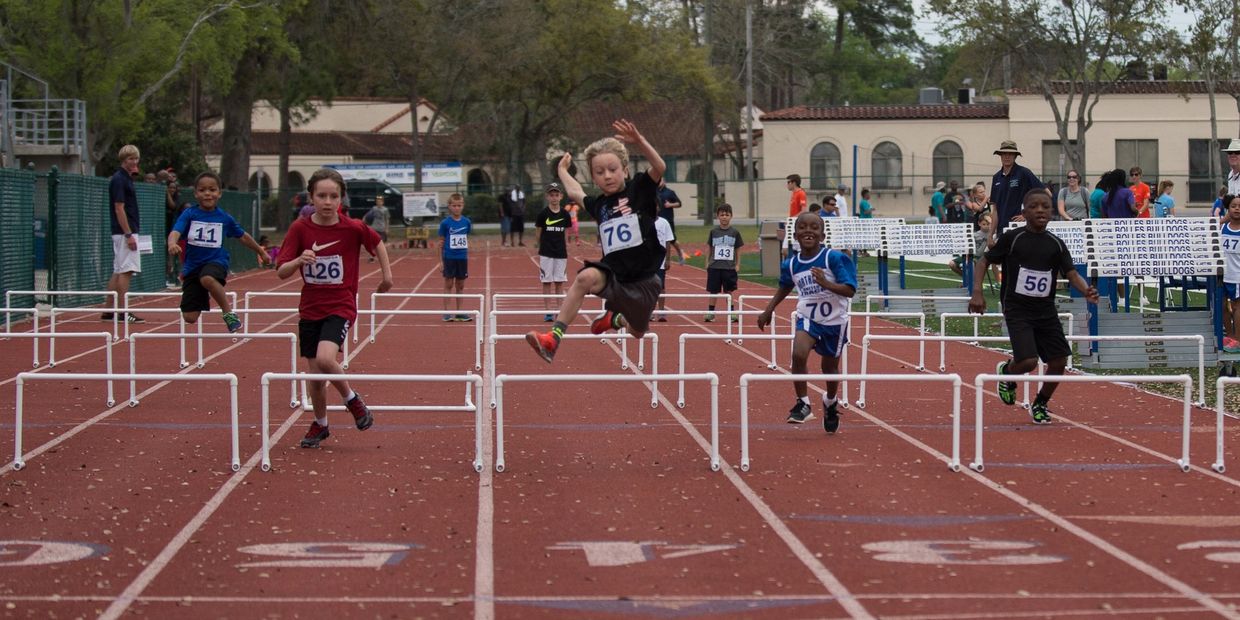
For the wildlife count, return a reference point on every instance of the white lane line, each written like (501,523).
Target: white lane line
(484,540)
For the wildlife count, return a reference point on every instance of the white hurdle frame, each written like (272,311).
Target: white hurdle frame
(235,463)
(232,301)
(8,303)
(468,379)
(474,313)
(987,315)
(107,347)
(1220,414)
(133,355)
(498,388)
(8,312)
(878,297)
(478,314)
(1198,338)
(601,338)
(748,378)
(980,380)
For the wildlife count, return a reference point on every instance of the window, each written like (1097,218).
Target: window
(1055,163)
(1143,153)
(887,166)
(1201,187)
(261,183)
(478,182)
(824,166)
(695,176)
(948,162)
(294,183)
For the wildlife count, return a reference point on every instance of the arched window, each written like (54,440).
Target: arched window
(824,166)
(478,182)
(265,190)
(948,162)
(887,166)
(294,183)
(695,176)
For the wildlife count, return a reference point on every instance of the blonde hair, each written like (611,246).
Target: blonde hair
(325,174)
(1164,184)
(128,151)
(604,146)
(456,196)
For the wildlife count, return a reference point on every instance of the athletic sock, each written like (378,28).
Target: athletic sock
(321,422)
(829,401)
(805,399)
(348,399)
(1004,370)
(617,320)
(557,330)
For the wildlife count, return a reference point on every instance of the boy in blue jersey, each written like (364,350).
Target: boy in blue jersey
(454,233)
(204,270)
(825,281)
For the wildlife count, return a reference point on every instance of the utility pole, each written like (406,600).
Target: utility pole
(751,186)
(706,191)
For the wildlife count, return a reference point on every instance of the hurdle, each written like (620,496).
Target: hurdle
(498,389)
(624,355)
(33,312)
(1220,414)
(989,315)
(19,463)
(468,379)
(980,380)
(886,298)
(8,303)
(133,355)
(477,314)
(232,301)
(1198,338)
(107,347)
(748,378)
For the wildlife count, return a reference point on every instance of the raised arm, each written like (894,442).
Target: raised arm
(627,132)
(571,187)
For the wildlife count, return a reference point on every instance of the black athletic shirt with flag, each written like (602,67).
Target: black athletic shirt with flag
(640,196)
(552,226)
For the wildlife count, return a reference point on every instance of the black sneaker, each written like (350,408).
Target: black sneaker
(133,318)
(106,316)
(315,435)
(800,412)
(831,417)
(361,413)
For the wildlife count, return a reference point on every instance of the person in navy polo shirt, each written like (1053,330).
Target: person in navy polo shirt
(123,200)
(1009,186)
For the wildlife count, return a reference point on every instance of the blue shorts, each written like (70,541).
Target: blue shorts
(1231,290)
(829,340)
(455,268)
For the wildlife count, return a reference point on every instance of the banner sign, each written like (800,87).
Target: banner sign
(928,239)
(854,233)
(402,174)
(420,204)
(1181,246)
(1072,233)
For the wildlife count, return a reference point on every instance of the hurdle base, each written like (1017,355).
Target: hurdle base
(19,465)
(478,466)
(110,402)
(1185,466)
(744,464)
(133,402)
(954,466)
(977,467)
(1219,467)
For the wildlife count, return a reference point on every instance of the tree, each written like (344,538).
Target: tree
(1068,51)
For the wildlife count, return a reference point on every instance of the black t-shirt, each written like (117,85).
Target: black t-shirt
(615,215)
(666,195)
(551,228)
(1032,263)
(121,189)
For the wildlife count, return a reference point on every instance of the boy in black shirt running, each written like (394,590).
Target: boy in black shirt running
(627,275)
(1032,259)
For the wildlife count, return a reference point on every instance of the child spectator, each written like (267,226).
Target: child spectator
(667,238)
(825,281)
(552,223)
(865,209)
(1230,233)
(573,229)
(205,269)
(324,249)
(454,233)
(724,245)
(377,218)
(1219,210)
(1032,259)
(1164,205)
(1140,193)
(626,277)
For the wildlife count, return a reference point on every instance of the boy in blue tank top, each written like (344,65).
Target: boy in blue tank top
(825,281)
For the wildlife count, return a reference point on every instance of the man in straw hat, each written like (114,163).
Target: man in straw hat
(1233,160)
(1009,186)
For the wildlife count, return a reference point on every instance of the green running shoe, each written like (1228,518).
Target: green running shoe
(1038,412)
(1007,389)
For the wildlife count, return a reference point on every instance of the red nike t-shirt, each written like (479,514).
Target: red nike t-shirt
(329,286)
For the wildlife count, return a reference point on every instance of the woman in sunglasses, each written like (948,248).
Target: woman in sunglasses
(1073,199)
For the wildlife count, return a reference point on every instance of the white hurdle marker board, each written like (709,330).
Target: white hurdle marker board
(1181,246)
(854,233)
(928,239)
(1071,233)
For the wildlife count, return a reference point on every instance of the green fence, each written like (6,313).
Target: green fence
(17,251)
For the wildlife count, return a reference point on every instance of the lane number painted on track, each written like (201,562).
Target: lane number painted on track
(623,553)
(329,555)
(975,552)
(19,553)
(1231,556)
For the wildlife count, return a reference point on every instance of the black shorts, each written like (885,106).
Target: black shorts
(516,224)
(1040,337)
(635,300)
(311,333)
(194,297)
(455,268)
(720,280)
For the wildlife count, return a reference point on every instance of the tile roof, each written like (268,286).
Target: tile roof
(335,143)
(889,112)
(1139,87)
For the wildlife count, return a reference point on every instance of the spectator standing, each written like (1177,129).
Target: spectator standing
(1233,161)
(1073,201)
(1095,198)
(865,210)
(123,199)
(514,208)
(505,224)
(378,218)
(830,207)
(1140,192)
(1119,201)
(552,223)
(937,200)
(1218,211)
(172,210)
(1164,205)
(1009,186)
(668,203)
(953,190)
(798,201)
(841,201)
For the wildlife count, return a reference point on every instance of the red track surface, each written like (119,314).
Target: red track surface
(608,507)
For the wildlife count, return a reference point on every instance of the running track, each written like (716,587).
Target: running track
(608,507)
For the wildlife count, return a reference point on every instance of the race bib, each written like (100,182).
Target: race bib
(458,242)
(724,252)
(325,270)
(205,234)
(1033,283)
(620,233)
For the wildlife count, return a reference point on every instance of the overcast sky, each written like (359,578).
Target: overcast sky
(926,25)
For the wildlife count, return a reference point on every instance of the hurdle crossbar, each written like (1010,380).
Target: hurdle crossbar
(990,315)
(748,378)
(18,461)
(8,303)
(498,388)
(468,379)
(602,338)
(34,315)
(107,348)
(474,313)
(980,380)
(232,301)
(1220,415)
(876,297)
(481,299)
(133,355)
(685,338)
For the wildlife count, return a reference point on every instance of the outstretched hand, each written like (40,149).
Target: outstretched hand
(626,131)
(565,161)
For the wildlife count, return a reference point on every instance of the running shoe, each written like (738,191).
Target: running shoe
(361,413)
(133,318)
(464,318)
(1038,412)
(662,318)
(547,318)
(603,323)
(544,344)
(831,417)
(315,435)
(107,316)
(448,318)
(709,318)
(1007,389)
(1231,345)
(800,413)
(735,319)
(233,323)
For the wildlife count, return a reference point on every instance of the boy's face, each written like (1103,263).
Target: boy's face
(553,197)
(207,191)
(326,198)
(808,231)
(455,207)
(607,171)
(378,201)
(791,185)
(1037,210)
(725,218)
(1233,210)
